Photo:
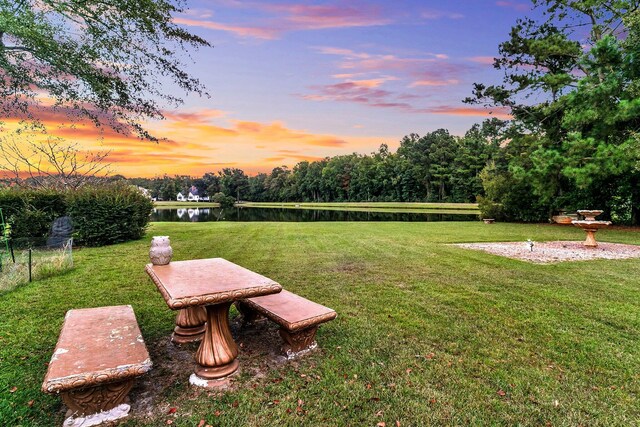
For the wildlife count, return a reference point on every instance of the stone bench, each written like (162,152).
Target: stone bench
(99,354)
(297,316)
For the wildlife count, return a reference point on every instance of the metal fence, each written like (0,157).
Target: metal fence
(33,263)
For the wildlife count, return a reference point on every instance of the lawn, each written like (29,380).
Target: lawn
(426,334)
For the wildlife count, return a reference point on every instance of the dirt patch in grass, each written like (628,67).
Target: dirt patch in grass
(347,266)
(164,386)
(553,252)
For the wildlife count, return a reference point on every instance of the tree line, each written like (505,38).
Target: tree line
(435,167)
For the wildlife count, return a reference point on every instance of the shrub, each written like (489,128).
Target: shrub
(224,200)
(108,214)
(490,209)
(30,213)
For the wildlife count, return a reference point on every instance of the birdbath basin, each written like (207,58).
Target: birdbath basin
(590,226)
(589,215)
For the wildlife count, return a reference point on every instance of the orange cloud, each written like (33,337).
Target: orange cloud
(276,131)
(499,112)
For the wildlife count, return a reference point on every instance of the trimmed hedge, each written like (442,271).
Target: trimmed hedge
(31,213)
(101,215)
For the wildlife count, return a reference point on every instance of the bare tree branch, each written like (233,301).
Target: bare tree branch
(53,163)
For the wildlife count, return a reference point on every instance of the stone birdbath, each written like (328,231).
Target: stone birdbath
(590,225)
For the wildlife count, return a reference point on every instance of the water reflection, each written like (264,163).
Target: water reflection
(296,215)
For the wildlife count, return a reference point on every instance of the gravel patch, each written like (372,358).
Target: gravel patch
(553,252)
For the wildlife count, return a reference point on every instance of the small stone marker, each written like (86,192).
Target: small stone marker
(60,233)
(99,354)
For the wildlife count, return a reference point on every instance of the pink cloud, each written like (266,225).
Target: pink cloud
(485,60)
(202,115)
(434,82)
(361,62)
(328,16)
(360,94)
(255,32)
(383,77)
(439,14)
(295,17)
(522,7)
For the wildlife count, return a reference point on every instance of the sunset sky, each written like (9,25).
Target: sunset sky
(304,80)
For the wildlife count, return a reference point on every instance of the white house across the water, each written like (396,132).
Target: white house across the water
(193,196)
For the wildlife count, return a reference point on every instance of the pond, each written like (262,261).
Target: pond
(299,215)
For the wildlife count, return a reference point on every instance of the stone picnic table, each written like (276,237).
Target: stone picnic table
(214,283)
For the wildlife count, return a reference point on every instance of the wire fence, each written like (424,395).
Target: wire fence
(26,265)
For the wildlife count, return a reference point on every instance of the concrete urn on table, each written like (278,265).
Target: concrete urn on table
(161,251)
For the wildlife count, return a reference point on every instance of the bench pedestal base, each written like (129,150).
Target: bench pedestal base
(298,341)
(95,405)
(106,417)
(190,325)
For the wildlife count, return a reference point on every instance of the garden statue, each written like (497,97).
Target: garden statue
(160,252)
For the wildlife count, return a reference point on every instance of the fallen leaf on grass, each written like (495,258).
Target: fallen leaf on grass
(13,389)
(201,423)
(217,413)
(381,424)
(172,410)
(397,423)
(235,404)
(501,393)
(169,422)
(30,403)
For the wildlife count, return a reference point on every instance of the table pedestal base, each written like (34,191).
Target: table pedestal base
(218,371)
(219,384)
(216,356)
(190,325)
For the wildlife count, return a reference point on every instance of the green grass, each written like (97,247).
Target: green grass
(168,204)
(426,334)
(408,207)
(44,263)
